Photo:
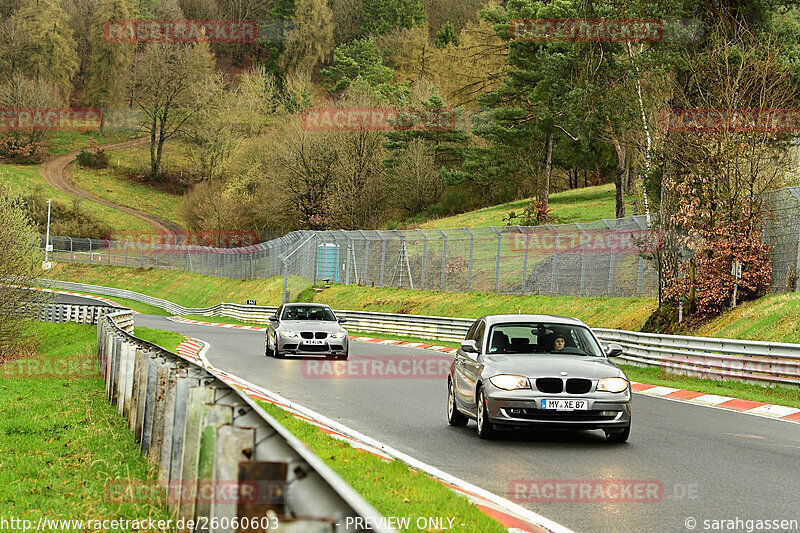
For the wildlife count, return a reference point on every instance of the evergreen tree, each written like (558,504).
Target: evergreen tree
(381,16)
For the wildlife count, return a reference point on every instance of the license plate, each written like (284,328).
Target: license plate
(318,342)
(565,405)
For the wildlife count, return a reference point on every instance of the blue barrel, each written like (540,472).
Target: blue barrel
(328,262)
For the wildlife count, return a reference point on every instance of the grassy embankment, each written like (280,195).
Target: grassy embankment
(61,442)
(588,204)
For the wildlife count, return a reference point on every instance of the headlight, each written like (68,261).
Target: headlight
(612,385)
(509,382)
(339,335)
(289,334)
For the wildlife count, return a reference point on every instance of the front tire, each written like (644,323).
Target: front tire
(486,430)
(454,416)
(618,436)
(269,352)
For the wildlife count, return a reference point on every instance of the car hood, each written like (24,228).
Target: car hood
(543,365)
(311,325)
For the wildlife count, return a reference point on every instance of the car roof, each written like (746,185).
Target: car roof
(514,318)
(300,304)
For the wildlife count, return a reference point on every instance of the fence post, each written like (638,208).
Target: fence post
(71,251)
(496,261)
(524,258)
(554,261)
(424,257)
(469,267)
(366,255)
(347,258)
(90,251)
(610,266)
(444,256)
(383,257)
(108,259)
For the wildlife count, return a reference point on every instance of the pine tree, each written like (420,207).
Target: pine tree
(381,16)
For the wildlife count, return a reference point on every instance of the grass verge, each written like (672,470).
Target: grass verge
(393,488)
(61,442)
(168,340)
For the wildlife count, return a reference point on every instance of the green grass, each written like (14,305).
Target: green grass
(62,442)
(24,178)
(789,396)
(136,160)
(195,290)
(393,488)
(168,340)
(773,318)
(113,186)
(588,204)
(64,142)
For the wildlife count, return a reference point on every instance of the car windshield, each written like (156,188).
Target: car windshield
(534,337)
(307,312)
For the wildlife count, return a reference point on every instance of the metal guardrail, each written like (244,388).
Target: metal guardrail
(209,438)
(761,362)
(54,312)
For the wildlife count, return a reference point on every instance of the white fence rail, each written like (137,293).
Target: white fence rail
(761,362)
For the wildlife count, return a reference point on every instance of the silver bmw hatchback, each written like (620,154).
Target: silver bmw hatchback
(537,370)
(306,329)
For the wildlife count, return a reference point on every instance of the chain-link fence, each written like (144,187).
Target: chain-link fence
(603,258)
(782,233)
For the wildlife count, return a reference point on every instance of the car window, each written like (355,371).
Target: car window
(307,312)
(532,338)
(479,335)
(471,332)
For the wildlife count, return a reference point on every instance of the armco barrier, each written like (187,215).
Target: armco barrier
(761,362)
(53,312)
(222,460)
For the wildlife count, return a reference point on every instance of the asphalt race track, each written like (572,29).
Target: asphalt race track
(709,463)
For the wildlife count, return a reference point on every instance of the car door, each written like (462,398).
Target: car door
(468,370)
(273,325)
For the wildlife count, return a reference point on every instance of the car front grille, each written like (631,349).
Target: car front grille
(577,416)
(579,385)
(314,335)
(550,385)
(314,348)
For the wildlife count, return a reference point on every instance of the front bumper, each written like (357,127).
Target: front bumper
(292,345)
(523,408)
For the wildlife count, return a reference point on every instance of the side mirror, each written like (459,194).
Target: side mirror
(469,346)
(273,319)
(342,320)
(613,350)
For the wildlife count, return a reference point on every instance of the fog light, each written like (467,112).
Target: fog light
(516,411)
(609,413)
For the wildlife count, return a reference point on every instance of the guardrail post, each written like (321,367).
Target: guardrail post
(178,431)
(153,368)
(159,410)
(233,446)
(196,408)
(216,416)
(164,458)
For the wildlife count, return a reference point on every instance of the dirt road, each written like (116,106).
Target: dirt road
(56,172)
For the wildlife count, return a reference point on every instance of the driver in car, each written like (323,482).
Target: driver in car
(558,343)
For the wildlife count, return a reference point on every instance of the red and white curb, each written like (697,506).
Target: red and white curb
(404,344)
(183,320)
(768,410)
(511,515)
